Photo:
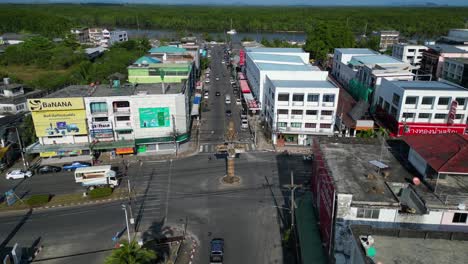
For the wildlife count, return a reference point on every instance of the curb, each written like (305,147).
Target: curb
(193,251)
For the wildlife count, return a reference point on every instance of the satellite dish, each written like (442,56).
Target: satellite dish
(416,181)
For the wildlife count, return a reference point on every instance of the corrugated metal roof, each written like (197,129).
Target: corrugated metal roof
(302,84)
(374,59)
(285,67)
(167,49)
(357,51)
(276,58)
(428,85)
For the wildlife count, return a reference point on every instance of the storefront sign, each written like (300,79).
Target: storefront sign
(124,151)
(101,125)
(102,133)
(49,104)
(154,117)
(59,123)
(429,129)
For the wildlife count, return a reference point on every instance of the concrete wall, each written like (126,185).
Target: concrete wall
(447,218)
(418,162)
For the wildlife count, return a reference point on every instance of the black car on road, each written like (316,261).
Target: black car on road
(48,169)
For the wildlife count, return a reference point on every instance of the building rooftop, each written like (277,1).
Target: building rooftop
(413,246)
(125,90)
(276,58)
(285,67)
(428,85)
(357,51)
(275,50)
(350,167)
(444,48)
(374,59)
(462,60)
(167,49)
(20,98)
(147,60)
(446,153)
(302,84)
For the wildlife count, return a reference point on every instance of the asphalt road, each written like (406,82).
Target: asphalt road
(215,121)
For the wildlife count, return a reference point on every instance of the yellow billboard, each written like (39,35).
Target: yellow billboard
(49,104)
(60,123)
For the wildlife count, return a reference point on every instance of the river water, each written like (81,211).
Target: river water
(169,34)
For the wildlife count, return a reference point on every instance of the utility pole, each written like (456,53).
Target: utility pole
(293,188)
(20,146)
(126,221)
(174,132)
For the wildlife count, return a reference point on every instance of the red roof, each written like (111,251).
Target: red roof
(244,86)
(446,153)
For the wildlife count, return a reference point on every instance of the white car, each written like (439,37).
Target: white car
(223,62)
(18,174)
(238,101)
(217,78)
(206,95)
(207,81)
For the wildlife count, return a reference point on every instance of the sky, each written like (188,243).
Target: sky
(262,2)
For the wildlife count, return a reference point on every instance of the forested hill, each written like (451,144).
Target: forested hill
(55,20)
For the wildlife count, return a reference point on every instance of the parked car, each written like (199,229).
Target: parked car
(77,164)
(18,174)
(207,81)
(206,95)
(228,112)
(218,93)
(217,78)
(238,101)
(48,169)
(233,82)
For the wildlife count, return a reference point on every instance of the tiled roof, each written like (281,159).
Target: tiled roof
(447,153)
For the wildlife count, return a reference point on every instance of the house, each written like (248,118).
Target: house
(456,70)
(81,34)
(13,97)
(408,53)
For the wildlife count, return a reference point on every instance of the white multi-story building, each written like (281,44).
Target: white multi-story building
(409,53)
(422,107)
(298,109)
(110,37)
(456,70)
(282,51)
(342,72)
(277,66)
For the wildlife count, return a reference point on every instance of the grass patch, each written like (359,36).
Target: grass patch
(27,73)
(100,192)
(38,200)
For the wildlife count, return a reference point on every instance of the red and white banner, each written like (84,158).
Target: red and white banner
(452,112)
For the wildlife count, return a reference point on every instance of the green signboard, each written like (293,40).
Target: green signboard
(154,117)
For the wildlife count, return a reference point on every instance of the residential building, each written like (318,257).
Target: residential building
(408,53)
(343,72)
(357,183)
(433,59)
(371,70)
(95,35)
(297,109)
(171,54)
(388,38)
(81,34)
(277,65)
(13,97)
(455,37)
(79,120)
(422,107)
(111,37)
(456,70)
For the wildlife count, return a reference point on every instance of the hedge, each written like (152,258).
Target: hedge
(38,199)
(100,192)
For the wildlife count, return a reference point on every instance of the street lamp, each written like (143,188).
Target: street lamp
(126,221)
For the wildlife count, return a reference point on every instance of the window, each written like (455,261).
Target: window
(310,125)
(386,106)
(100,119)
(459,218)
(427,100)
(282,124)
(408,115)
(411,100)
(410,50)
(122,118)
(7,108)
(124,132)
(458,116)
(440,116)
(98,107)
(393,111)
(325,125)
(312,98)
(368,213)
(326,112)
(443,101)
(19,107)
(424,115)
(396,99)
(283,97)
(296,124)
(283,111)
(298,97)
(122,104)
(329,98)
(461,101)
(311,112)
(296,112)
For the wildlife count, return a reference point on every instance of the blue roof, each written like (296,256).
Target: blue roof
(147,60)
(302,84)
(167,49)
(285,67)
(357,51)
(428,85)
(374,59)
(276,57)
(283,50)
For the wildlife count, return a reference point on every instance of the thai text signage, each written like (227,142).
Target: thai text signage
(59,123)
(429,129)
(101,125)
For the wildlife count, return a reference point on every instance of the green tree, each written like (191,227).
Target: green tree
(28,133)
(131,253)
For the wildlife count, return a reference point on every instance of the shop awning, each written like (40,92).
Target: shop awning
(252,104)
(241,76)
(161,139)
(119,151)
(244,86)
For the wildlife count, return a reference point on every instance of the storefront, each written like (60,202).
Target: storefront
(145,145)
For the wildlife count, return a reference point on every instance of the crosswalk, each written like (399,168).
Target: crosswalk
(211,148)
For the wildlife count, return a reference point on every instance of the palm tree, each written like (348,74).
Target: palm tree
(131,253)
